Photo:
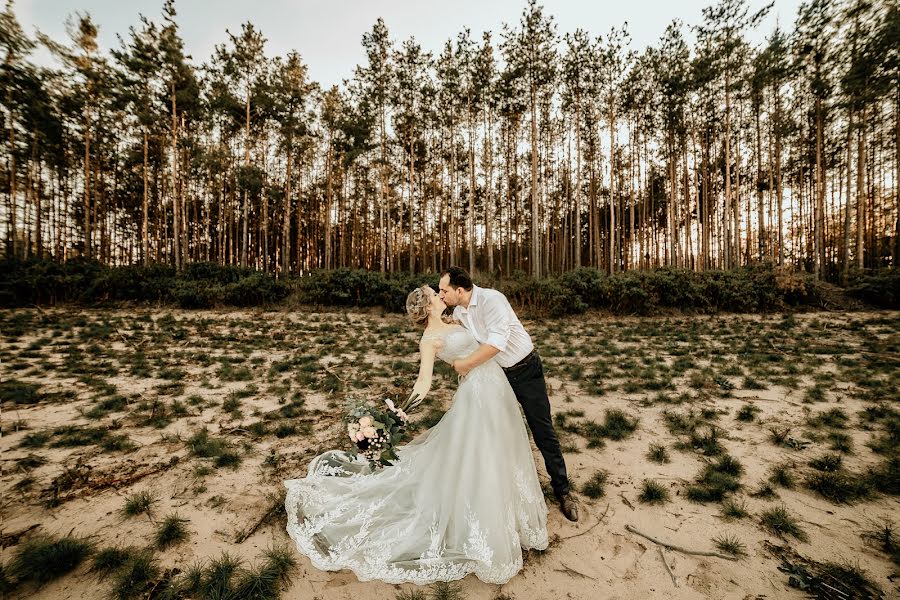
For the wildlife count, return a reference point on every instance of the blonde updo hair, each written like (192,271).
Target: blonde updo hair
(418,306)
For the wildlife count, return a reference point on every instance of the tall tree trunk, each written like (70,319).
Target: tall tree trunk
(535,254)
(861,190)
(728,199)
(819,213)
(612,188)
(38,222)
(471,220)
(87,182)
(687,258)
(845,250)
(286,226)
(759,192)
(13,178)
(175,195)
(489,195)
(452,208)
(577,195)
(779,187)
(245,211)
(412,209)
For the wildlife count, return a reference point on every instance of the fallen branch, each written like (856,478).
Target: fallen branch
(600,520)
(666,563)
(776,348)
(626,501)
(11,539)
(668,546)
(567,569)
(331,371)
(273,508)
(80,480)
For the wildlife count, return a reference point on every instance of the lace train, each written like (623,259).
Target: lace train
(463,498)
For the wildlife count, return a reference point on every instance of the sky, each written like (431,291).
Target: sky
(328,33)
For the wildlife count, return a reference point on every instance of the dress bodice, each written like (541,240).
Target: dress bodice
(456,342)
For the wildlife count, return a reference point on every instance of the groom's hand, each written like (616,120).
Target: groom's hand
(462,367)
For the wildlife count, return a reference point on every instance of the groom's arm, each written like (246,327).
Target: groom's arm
(497,316)
(484,353)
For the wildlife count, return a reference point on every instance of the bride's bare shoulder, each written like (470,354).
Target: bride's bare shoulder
(433,337)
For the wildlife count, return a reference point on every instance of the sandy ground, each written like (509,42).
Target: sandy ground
(595,557)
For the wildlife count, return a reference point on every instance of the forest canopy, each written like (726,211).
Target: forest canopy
(529,149)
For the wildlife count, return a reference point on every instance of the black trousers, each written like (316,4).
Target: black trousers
(527,381)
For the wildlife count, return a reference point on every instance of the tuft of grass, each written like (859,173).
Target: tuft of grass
(779,435)
(732,510)
(138,574)
(109,560)
(446,590)
(764,491)
(43,558)
(886,476)
(747,413)
(730,544)
(883,536)
(840,442)
(19,392)
(265,580)
(716,481)
(229,459)
(138,503)
(658,454)
(410,595)
(782,476)
(780,522)
(834,418)
(729,465)
(827,462)
(35,439)
(201,444)
(32,461)
(707,443)
(839,487)
(652,492)
(617,425)
(171,531)
(227,577)
(814,394)
(215,580)
(595,486)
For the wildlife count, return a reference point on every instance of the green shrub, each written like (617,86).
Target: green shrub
(761,287)
(881,288)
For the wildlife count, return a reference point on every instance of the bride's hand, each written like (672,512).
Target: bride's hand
(414,401)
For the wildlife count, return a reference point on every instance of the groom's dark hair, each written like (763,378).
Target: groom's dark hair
(459,278)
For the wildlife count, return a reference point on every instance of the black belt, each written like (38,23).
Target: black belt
(531,355)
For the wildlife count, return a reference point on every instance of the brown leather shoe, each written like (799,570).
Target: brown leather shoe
(568,507)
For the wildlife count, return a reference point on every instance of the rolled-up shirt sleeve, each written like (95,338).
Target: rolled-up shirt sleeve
(497,317)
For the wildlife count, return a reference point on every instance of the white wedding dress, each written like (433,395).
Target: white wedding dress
(463,498)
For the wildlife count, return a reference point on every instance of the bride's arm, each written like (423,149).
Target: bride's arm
(428,349)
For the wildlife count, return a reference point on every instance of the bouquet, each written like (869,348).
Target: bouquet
(375,431)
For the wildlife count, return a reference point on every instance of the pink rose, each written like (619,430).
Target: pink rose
(360,436)
(369,432)
(365,421)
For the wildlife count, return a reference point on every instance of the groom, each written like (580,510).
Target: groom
(490,319)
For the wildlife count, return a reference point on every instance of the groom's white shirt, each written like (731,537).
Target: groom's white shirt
(491,320)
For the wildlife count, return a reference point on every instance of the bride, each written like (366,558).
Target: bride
(463,498)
